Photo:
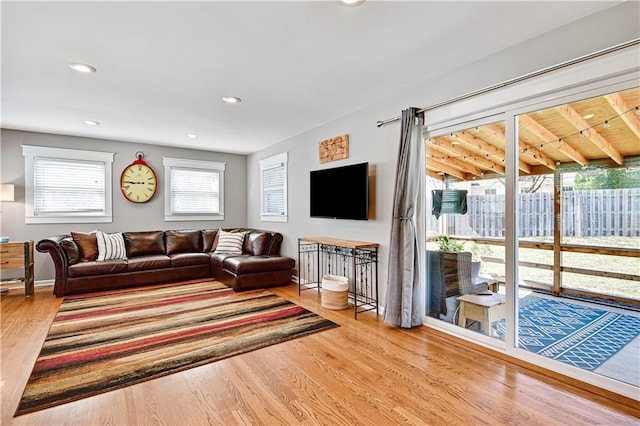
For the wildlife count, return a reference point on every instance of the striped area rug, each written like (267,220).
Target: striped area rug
(104,341)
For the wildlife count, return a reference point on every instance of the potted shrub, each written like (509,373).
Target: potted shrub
(451,245)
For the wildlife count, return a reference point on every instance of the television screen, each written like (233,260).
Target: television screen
(340,192)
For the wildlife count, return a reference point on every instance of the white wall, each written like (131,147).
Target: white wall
(378,146)
(127,216)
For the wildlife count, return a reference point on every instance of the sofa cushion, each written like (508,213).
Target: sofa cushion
(144,243)
(253,264)
(110,246)
(257,243)
(209,240)
(145,263)
(183,242)
(87,245)
(230,242)
(189,259)
(104,267)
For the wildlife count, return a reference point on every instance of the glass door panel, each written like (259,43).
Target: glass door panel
(465,205)
(578,234)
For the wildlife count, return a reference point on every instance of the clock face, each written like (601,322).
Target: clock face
(138,183)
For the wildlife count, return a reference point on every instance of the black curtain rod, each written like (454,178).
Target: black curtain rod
(630,43)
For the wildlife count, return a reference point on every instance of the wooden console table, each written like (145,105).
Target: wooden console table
(356,260)
(19,254)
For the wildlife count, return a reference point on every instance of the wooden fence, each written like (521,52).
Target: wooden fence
(588,213)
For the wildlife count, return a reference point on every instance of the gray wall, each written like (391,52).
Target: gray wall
(127,216)
(378,146)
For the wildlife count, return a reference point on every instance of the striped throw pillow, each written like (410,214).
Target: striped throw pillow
(230,242)
(110,246)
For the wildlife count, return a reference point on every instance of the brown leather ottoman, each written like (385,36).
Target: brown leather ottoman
(253,272)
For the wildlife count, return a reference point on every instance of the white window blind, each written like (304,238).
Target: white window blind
(68,186)
(273,178)
(195,191)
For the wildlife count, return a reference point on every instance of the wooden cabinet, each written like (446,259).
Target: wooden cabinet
(16,255)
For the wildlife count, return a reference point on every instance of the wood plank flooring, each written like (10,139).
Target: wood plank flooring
(362,373)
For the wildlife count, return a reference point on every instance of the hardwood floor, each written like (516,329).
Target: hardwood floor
(363,372)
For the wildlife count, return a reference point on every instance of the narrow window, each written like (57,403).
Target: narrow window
(273,187)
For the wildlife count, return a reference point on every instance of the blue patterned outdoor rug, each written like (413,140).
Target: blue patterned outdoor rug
(574,334)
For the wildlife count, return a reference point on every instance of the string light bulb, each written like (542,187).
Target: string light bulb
(606,124)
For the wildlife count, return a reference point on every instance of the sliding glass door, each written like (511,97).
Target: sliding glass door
(465,204)
(532,223)
(579,229)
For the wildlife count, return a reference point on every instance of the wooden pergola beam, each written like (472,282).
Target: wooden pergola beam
(438,166)
(442,145)
(477,159)
(498,133)
(536,155)
(435,175)
(628,115)
(572,116)
(548,136)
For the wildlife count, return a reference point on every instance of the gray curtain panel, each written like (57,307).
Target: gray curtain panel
(404,307)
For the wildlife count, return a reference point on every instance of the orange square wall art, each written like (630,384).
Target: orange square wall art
(336,148)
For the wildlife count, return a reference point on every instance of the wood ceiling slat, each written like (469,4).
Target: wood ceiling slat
(498,133)
(536,155)
(449,149)
(438,166)
(610,131)
(468,156)
(626,113)
(547,136)
(582,125)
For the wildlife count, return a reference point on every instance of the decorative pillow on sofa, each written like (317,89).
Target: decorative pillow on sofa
(230,242)
(87,245)
(110,246)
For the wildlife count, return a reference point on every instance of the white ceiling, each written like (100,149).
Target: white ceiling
(164,66)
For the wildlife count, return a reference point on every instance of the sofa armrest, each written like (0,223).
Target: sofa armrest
(52,245)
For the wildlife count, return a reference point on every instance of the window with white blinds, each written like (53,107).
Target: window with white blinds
(273,186)
(67,186)
(194,189)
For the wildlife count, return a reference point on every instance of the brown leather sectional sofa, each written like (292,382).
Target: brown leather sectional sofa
(155,257)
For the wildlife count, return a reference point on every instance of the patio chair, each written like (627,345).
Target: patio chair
(448,277)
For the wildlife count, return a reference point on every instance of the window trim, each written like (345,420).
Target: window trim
(268,163)
(30,152)
(170,162)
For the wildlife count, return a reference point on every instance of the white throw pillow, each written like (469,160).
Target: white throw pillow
(230,242)
(110,246)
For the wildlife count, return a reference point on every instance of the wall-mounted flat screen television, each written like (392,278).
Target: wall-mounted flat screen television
(340,192)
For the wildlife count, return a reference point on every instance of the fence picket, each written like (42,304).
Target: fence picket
(614,212)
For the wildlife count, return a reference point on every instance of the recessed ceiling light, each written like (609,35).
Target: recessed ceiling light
(588,116)
(82,67)
(232,99)
(192,136)
(351,2)
(91,122)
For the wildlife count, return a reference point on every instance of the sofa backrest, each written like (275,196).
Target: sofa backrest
(256,242)
(144,243)
(187,241)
